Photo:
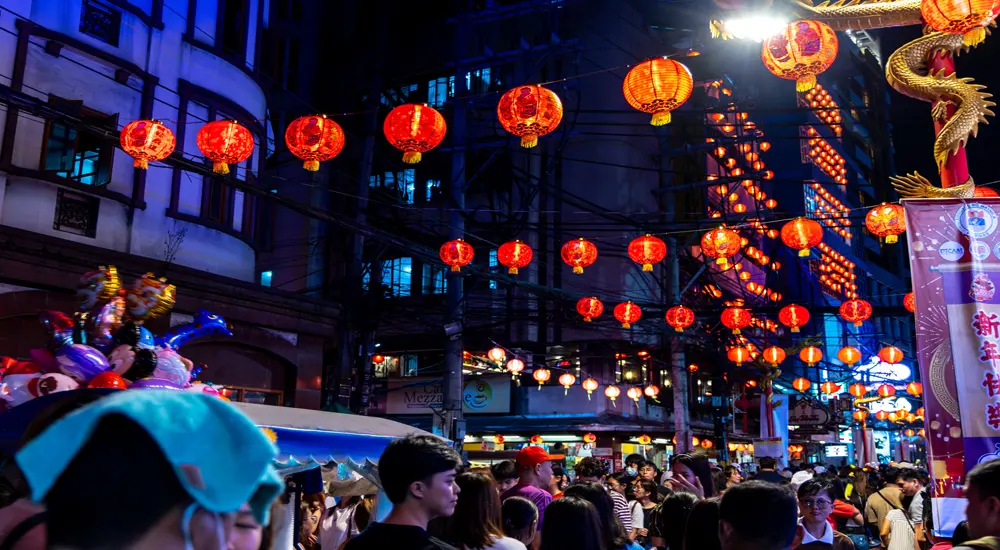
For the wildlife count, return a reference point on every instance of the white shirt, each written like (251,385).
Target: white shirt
(334,526)
(827,534)
(637,516)
(504,543)
(900,532)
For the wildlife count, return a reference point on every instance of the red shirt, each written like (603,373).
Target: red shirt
(841,510)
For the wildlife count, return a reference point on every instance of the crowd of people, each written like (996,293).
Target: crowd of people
(532,502)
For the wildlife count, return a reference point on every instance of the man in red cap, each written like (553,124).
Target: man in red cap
(535,466)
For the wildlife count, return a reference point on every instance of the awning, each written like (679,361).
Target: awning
(560,423)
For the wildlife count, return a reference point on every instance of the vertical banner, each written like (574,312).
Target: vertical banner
(955,262)
(776,446)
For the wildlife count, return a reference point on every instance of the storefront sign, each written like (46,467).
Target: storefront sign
(421,395)
(806,413)
(958,338)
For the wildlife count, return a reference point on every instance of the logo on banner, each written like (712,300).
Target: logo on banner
(979,250)
(478,394)
(976,220)
(982,288)
(951,251)
(996,251)
(989,457)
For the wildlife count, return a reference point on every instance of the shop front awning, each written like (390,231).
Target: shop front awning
(554,423)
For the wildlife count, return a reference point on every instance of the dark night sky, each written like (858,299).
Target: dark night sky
(913,132)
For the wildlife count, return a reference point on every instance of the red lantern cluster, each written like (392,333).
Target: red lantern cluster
(457,254)
(721,243)
(658,86)
(514,255)
(802,234)
(590,308)
(735,318)
(680,317)
(147,140)
(627,313)
(646,251)
(856,311)
(793,316)
(579,254)
(224,142)
(314,139)
(414,130)
(529,112)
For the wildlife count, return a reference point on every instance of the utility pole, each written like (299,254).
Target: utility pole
(450,424)
(678,368)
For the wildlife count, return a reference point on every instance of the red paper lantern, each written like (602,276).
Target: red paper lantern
(627,313)
(566,380)
(457,254)
(801,384)
(378,358)
(498,439)
(793,316)
(860,415)
(857,390)
(497,355)
(680,318)
(224,142)
(692,368)
(774,355)
(695,441)
(146,140)
(915,389)
(920,411)
(514,255)
(735,318)
(738,355)
(529,112)
(910,302)
(811,355)
(314,139)
(589,438)
(967,17)
(882,415)
(634,394)
(886,390)
(414,129)
(590,308)
(658,86)
(856,311)
(646,251)
(652,391)
(706,444)
(984,192)
(886,220)
(829,388)
(802,234)
(579,254)
(590,385)
(644,439)
(721,243)
(890,354)
(909,432)
(804,50)
(536,440)
(515,366)
(541,375)
(849,355)
(612,393)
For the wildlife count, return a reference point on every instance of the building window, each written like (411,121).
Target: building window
(493,268)
(397,276)
(402,183)
(101,21)
(434,279)
(265,278)
(477,81)
(234,27)
(252,395)
(76,213)
(76,154)
(433,190)
(216,203)
(439,90)
(397,96)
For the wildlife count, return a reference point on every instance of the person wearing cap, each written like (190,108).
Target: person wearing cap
(534,464)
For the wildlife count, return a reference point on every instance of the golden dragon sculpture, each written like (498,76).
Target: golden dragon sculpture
(907,73)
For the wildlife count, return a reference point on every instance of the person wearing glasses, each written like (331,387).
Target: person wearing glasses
(816,498)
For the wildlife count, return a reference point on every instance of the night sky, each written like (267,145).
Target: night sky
(913,132)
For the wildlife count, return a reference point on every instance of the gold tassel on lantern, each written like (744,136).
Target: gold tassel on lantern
(220,168)
(141,164)
(974,37)
(311,165)
(528,141)
(805,83)
(412,157)
(661,118)
(578,270)
(892,239)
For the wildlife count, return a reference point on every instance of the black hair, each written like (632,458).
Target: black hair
(701,468)
(986,479)
(814,487)
(107,470)
(672,516)
(719,478)
(572,523)
(612,531)
(913,474)
(517,514)
(961,534)
(634,458)
(767,462)
(622,478)
(762,513)
(702,531)
(589,467)
(892,474)
(650,487)
(504,471)
(411,459)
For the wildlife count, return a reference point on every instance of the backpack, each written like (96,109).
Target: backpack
(985,543)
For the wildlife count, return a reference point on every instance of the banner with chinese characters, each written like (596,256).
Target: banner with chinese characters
(955,263)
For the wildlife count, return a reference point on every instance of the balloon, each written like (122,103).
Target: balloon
(95,286)
(54,382)
(155,384)
(204,323)
(59,326)
(108,380)
(44,359)
(81,362)
(197,370)
(171,366)
(121,359)
(102,324)
(17,376)
(6,362)
(129,334)
(150,297)
(146,340)
(201,387)
(143,366)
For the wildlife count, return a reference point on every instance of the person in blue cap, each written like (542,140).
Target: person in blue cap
(418,475)
(150,469)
